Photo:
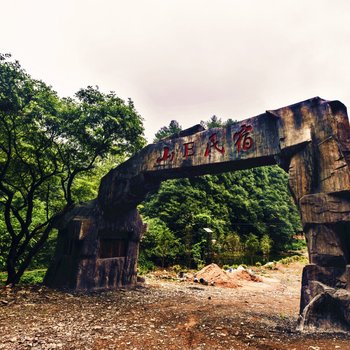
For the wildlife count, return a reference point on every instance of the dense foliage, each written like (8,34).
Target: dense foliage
(250,213)
(49,148)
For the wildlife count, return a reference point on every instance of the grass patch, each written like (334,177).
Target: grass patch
(294,258)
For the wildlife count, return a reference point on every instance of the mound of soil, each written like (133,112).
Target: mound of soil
(213,275)
(245,275)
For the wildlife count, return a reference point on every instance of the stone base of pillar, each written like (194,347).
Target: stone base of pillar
(93,253)
(324,307)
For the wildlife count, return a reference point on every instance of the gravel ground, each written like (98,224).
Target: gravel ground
(163,315)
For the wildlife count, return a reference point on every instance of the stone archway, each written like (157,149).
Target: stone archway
(98,242)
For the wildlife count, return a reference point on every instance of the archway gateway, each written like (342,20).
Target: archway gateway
(98,241)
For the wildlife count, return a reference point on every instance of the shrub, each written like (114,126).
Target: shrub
(29,277)
(145,266)
(33,277)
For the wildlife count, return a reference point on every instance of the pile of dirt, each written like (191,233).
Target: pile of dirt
(213,275)
(243,274)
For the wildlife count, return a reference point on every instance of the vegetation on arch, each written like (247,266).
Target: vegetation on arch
(51,150)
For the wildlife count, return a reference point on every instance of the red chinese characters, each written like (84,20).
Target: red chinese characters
(188,149)
(167,155)
(244,141)
(213,143)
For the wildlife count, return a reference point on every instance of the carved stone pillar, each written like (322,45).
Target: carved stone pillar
(94,252)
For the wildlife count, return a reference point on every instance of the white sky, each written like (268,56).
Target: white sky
(185,59)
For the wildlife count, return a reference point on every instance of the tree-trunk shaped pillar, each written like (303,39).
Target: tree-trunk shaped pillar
(319,179)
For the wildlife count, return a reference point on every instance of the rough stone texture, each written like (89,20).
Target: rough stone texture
(94,252)
(210,151)
(329,308)
(310,140)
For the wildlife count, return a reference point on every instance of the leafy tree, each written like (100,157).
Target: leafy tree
(166,131)
(207,229)
(197,253)
(48,146)
(159,242)
(265,246)
(214,122)
(232,249)
(251,246)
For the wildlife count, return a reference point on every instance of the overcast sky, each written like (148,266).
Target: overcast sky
(185,59)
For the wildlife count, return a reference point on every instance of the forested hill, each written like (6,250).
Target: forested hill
(251,215)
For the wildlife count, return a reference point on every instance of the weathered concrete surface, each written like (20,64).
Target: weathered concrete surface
(310,140)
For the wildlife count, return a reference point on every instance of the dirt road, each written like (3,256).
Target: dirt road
(163,315)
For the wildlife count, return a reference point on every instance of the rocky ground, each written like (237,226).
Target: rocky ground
(164,314)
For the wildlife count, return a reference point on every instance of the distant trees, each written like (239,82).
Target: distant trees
(173,128)
(265,246)
(232,249)
(251,246)
(160,244)
(250,213)
(49,147)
